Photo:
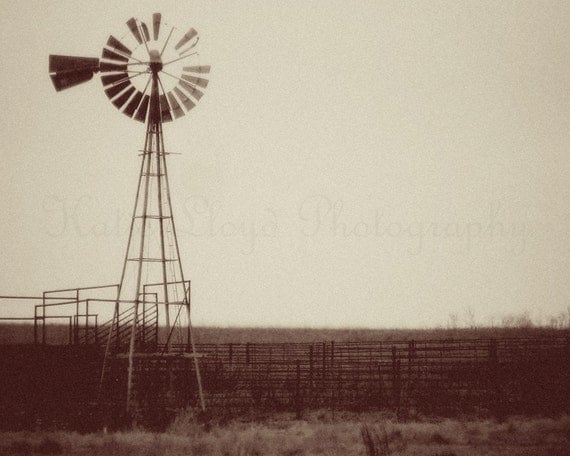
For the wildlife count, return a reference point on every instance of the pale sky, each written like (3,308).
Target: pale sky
(355,163)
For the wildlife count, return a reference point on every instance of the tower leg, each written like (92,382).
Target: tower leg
(152,266)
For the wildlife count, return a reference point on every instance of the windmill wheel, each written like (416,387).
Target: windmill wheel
(141,69)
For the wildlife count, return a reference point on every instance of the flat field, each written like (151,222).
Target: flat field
(11,333)
(317,434)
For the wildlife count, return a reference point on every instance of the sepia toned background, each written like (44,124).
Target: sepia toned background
(370,163)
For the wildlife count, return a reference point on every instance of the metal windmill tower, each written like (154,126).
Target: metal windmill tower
(152,78)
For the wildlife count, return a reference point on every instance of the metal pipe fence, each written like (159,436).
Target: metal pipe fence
(444,377)
(523,374)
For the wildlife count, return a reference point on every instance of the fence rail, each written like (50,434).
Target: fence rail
(523,374)
(501,376)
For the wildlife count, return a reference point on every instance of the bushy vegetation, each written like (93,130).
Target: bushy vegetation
(318,434)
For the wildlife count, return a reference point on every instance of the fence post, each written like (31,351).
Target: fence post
(311,371)
(495,396)
(75,329)
(35,325)
(411,356)
(44,319)
(393,371)
(396,383)
(324,360)
(566,362)
(86,321)
(298,399)
(332,377)
(339,388)
(380,386)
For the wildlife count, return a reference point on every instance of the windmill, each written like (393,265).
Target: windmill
(152,75)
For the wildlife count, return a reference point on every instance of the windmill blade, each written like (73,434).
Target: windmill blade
(187,37)
(110,55)
(187,102)
(68,71)
(118,88)
(133,104)
(113,78)
(120,101)
(132,24)
(156,17)
(184,53)
(115,44)
(191,89)
(176,109)
(105,67)
(145,31)
(115,61)
(197,69)
(164,109)
(196,80)
(143,109)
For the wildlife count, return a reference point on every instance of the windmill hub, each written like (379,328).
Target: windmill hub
(155,61)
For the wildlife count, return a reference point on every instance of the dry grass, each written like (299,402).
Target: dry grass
(319,434)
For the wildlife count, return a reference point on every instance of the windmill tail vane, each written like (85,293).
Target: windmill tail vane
(152,75)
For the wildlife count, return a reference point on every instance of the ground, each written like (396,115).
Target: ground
(317,434)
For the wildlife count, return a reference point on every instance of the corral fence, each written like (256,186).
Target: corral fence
(48,383)
(500,375)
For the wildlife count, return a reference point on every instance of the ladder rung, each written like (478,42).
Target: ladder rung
(152,260)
